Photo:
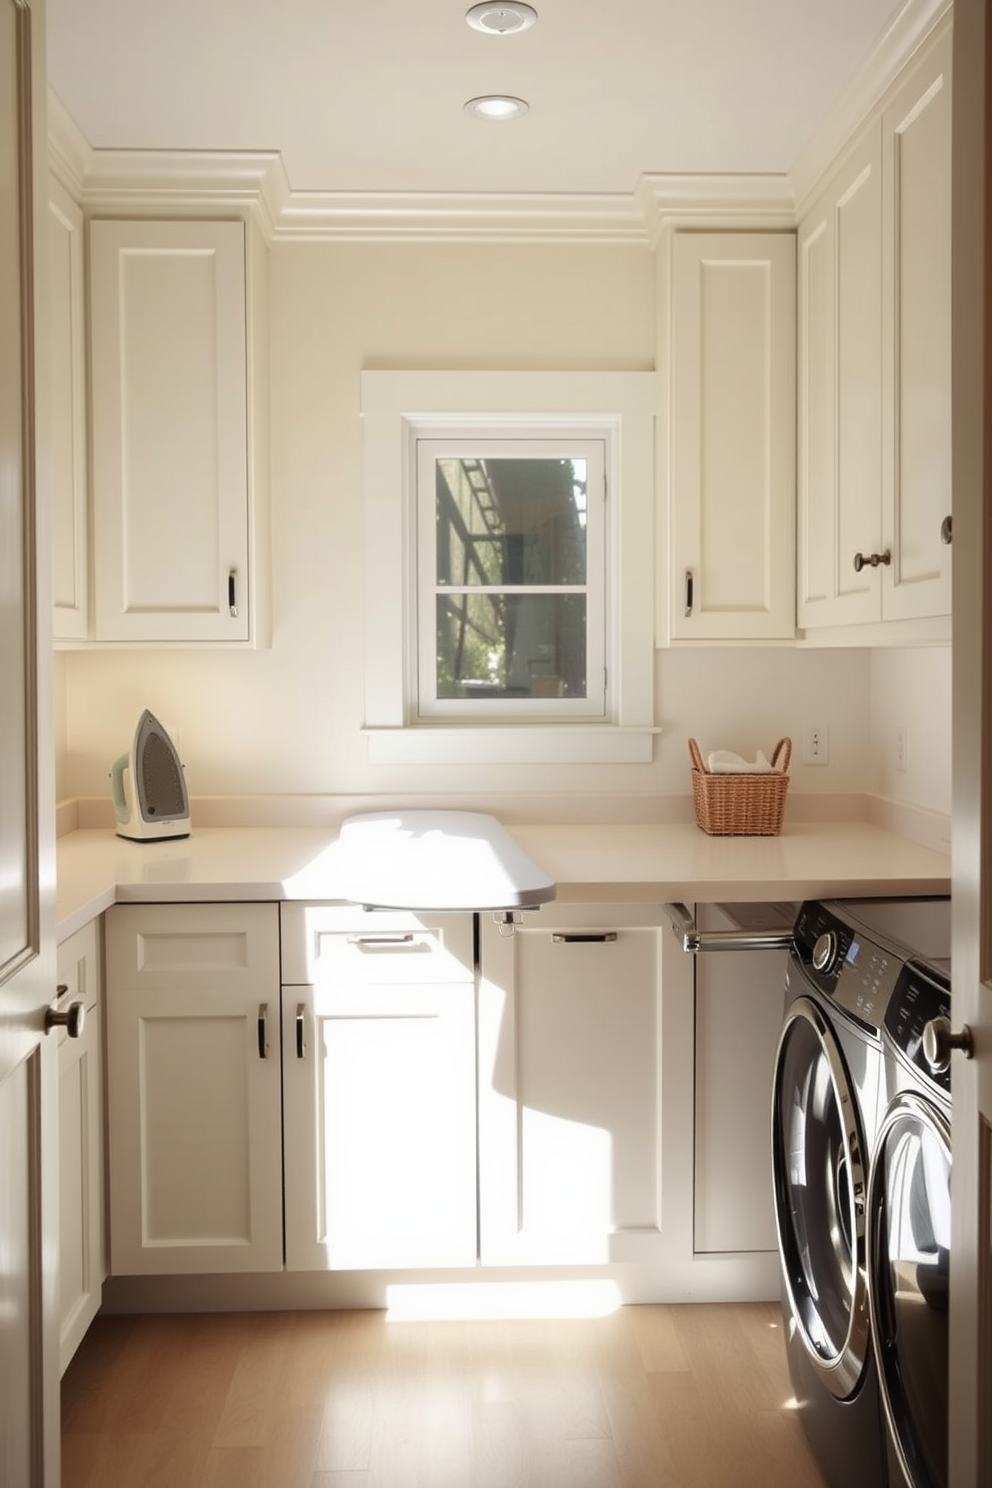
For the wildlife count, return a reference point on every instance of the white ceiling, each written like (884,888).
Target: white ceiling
(366,95)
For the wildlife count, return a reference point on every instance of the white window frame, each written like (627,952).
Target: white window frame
(495,439)
(397,409)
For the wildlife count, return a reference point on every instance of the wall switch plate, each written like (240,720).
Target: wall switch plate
(902,747)
(816,744)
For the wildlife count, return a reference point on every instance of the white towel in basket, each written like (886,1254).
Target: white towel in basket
(725,762)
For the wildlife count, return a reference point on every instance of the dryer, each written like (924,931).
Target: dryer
(909,1230)
(827,1108)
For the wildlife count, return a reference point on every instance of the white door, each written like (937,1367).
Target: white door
(29,1453)
(971,1080)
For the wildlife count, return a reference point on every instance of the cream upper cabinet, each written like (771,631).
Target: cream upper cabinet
(732,436)
(67,385)
(874,440)
(174,504)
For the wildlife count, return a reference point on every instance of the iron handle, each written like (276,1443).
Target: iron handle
(688,592)
(263,1041)
(232,593)
(301,1030)
(71,1018)
(939,1044)
(871,560)
(589,937)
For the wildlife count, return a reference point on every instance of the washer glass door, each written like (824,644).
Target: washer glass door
(820,1197)
(909,1207)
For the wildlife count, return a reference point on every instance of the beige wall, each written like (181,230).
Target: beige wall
(287,720)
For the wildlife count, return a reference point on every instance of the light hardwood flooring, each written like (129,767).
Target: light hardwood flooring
(647,1397)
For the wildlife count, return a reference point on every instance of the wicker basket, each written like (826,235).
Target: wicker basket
(741,805)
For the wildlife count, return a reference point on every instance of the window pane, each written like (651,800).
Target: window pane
(511,521)
(511,645)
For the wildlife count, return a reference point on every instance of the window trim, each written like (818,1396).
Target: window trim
(396,407)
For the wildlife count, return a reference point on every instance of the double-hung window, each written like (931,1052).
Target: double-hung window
(510,557)
(511,578)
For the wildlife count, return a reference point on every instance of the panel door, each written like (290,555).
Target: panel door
(29,1403)
(916,138)
(193,1052)
(70,530)
(169,430)
(570,1086)
(840,394)
(733,470)
(380,1144)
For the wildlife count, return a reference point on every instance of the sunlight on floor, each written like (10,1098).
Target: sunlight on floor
(473,1300)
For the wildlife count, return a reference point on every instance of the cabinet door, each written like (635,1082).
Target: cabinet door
(169,431)
(733,470)
(379,1052)
(82,1266)
(67,368)
(840,394)
(916,142)
(570,1085)
(193,1042)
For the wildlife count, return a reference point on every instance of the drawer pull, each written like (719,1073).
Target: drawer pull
(580,937)
(401,937)
(301,1030)
(263,1042)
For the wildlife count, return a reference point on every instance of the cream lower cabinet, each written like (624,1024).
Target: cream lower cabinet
(82,1259)
(194,1088)
(731,437)
(570,1078)
(379,1089)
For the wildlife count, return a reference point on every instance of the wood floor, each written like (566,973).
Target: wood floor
(647,1397)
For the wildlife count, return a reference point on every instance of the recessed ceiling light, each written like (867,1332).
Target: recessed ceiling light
(497,107)
(501,20)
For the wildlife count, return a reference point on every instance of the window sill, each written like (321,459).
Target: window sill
(511,745)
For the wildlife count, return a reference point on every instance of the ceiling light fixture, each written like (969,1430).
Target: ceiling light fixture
(501,20)
(496,107)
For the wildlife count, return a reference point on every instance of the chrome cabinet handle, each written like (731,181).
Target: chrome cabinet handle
(301,1030)
(71,1018)
(871,560)
(688,592)
(232,593)
(400,938)
(263,1042)
(592,937)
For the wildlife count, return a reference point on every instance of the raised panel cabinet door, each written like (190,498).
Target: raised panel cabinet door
(840,394)
(733,468)
(379,1094)
(66,290)
(570,1087)
(82,1255)
(194,1099)
(169,431)
(916,139)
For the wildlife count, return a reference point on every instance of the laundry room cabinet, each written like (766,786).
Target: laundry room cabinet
(874,371)
(177,369)
(379,1088)
(194,1088)
(570,1085)
(82,1248)
(67,390)
(731,436)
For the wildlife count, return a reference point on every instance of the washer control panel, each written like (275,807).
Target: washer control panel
(921,995)
(855,969)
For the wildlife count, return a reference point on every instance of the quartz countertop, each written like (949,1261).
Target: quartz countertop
(95,868)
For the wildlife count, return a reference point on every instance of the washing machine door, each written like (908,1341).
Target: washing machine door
(821,1188)
(909,1228)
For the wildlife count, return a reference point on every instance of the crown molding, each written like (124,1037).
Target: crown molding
(862,96)
(142,182)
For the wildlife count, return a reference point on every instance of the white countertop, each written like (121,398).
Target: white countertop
(653,862)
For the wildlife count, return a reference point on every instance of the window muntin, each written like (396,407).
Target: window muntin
(511,576)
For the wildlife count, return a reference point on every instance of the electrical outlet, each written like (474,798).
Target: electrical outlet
(902,747)
(816,744)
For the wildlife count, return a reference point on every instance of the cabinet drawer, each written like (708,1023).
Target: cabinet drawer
(322,943)
(191,947)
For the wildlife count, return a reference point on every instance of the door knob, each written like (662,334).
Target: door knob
(71,1018)
(939,1044)
(871,560)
